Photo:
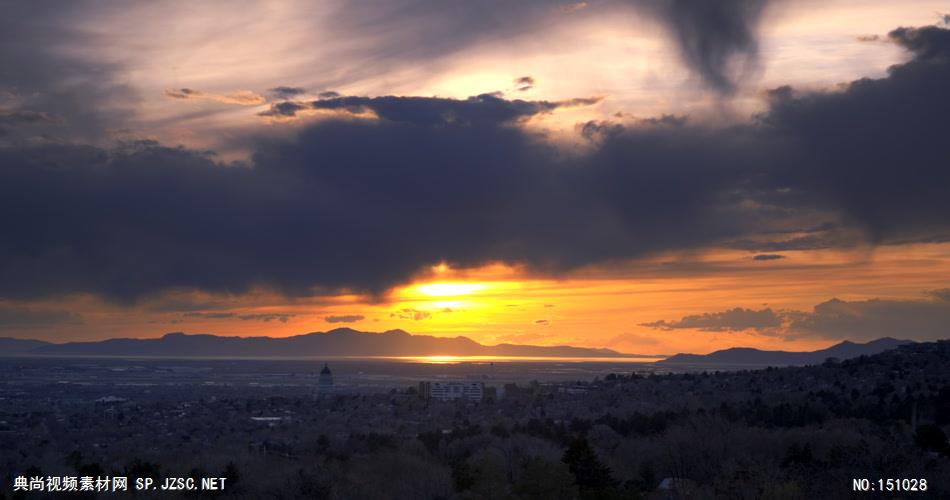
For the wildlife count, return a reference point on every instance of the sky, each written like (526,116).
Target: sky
(648,176)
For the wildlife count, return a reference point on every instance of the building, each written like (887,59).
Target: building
(325,385)
(514,391)
(449,391)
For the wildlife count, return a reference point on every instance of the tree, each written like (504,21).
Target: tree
(542,479)
(589,472)
(463,477)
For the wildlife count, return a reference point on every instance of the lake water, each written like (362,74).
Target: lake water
(357,374)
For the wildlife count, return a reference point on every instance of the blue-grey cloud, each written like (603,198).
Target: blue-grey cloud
(484,109)
(286,92)
(927,319)
(870,319)
(266,317)
(736,319)
(344,318)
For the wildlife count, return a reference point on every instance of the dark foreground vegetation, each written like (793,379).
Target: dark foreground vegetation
(790,433)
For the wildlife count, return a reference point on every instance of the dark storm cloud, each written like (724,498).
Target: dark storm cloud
(715,37)
(768,256)
(875,151)
(737,319)
(926,43)
(362,205)
(19,317)
(349,205)
(344,318)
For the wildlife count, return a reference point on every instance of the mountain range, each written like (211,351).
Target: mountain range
(349,342)
(756,357)
(338,342)
(19,346)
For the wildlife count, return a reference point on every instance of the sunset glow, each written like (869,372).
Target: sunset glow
(450,289)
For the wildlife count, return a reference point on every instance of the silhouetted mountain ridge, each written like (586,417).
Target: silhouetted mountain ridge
(750,356)
(337,342)
(19,346)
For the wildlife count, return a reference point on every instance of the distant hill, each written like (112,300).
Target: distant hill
(19,346)
(756,357)
(339,342)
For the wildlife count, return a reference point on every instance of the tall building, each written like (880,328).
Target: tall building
(325,385)
(447,391)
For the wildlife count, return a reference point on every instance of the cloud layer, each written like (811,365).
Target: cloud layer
(240,97)
(45,88)
(345,318)
(833,319)
(736,319)
(363,205)
(711,36)
(25,317)
(265,317)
